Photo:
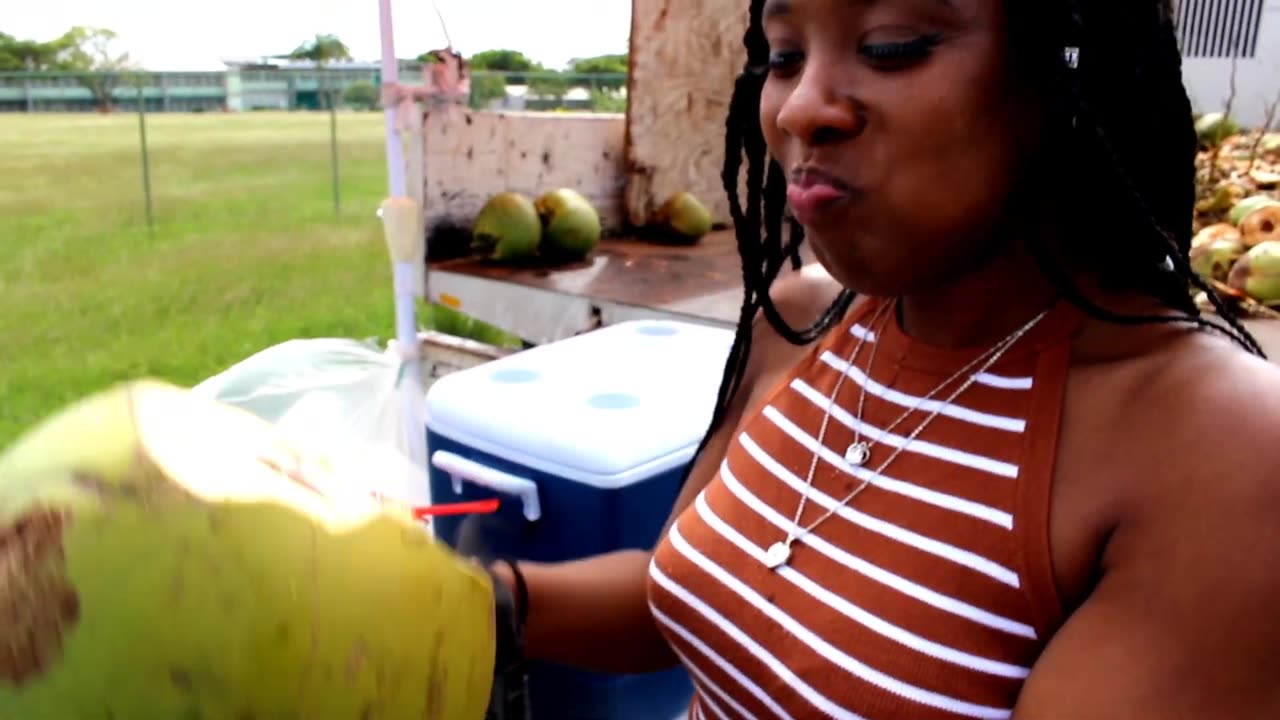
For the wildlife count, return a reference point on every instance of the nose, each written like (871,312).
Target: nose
(818,111)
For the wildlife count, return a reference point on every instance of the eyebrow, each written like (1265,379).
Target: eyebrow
(780,8)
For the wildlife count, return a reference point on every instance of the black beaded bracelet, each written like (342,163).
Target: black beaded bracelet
(521,592)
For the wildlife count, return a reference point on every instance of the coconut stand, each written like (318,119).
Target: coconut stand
(627,164)
(444,160)
(670,139)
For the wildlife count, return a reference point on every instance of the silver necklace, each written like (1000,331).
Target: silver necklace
(779,553)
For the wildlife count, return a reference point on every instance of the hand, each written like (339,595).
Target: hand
(509,698)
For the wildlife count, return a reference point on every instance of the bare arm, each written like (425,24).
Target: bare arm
(594,612)
(1185,621)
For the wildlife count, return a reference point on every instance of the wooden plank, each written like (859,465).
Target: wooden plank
(468,156)
(685,57)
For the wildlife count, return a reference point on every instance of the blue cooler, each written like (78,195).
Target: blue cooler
(585,441)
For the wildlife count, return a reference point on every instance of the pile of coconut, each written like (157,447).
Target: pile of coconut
(562,226)
(1236,248)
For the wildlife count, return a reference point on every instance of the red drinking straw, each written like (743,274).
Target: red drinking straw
(477,507)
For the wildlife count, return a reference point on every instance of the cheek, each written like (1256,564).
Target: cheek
(957,163)
(772,98)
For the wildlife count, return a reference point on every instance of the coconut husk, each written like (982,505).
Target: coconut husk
(1243,165)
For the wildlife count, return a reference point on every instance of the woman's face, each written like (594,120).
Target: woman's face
(899,127)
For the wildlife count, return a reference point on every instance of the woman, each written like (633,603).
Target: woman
(1007,473)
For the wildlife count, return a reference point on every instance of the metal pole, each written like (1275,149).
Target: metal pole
(391,74)
(146,158)
(333,147)
(402,219)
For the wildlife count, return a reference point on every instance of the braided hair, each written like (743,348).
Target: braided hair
(1121,123)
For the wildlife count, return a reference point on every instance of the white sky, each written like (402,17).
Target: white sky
(198,34)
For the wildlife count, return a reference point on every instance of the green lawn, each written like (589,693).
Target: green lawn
(246,251)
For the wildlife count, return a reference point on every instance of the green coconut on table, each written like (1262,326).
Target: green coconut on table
(570,224)
(163,556)
(683,217)
(507,228)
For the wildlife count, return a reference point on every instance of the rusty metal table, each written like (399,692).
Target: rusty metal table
(625,279)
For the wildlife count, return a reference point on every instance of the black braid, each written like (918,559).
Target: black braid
(1145,265)
(760,267)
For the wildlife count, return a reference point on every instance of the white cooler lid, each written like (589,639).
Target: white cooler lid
(607,408)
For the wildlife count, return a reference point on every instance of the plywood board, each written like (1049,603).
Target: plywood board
(685,57)
(468,156)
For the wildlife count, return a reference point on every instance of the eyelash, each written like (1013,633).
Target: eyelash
(916,49)
(908,50)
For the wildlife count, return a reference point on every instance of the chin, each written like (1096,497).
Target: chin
(848,260)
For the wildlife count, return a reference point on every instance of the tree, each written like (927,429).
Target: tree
(549,84)
(512,62)
(612,70)
(487,88)
(321,50)
(92,53)
(504,61)
(31,55)
(362,95)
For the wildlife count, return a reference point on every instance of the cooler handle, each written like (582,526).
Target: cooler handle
(460,468)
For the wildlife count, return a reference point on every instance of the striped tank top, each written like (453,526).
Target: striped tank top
(931,593)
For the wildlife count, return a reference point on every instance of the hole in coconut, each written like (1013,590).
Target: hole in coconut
(252,461)
(37,602)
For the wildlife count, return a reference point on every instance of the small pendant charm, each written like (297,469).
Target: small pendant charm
(857,454)
(777,555)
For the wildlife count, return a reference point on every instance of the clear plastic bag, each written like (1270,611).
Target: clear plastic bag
(335,391)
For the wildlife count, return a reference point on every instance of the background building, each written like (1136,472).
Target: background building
(1219,34)
(1220,38)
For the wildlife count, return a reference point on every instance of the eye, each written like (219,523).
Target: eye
(900,52)
(782,63)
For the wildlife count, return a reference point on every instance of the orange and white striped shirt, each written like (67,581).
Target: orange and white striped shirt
(931,594)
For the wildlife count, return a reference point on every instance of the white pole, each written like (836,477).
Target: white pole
(402,223)
(391,75)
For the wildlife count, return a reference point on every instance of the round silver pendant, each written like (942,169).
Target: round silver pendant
(777,555)
(857,454)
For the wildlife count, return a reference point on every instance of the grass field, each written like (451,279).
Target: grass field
(246,250)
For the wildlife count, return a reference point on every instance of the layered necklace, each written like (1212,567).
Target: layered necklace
(858,453)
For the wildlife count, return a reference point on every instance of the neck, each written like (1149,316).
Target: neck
(979,308)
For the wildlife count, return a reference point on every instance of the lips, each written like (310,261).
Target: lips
(813,195)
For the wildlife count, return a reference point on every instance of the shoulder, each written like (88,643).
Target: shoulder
(1205,414)
(1194,553)
(1224,402)
(1182,620)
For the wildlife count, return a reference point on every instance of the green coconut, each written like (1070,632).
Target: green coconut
(571,225)
(685,217)
(507,228)
(1257,273)
(1245,208)
(1213,128)
(1262,225)
(163,556)
(1214,250)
